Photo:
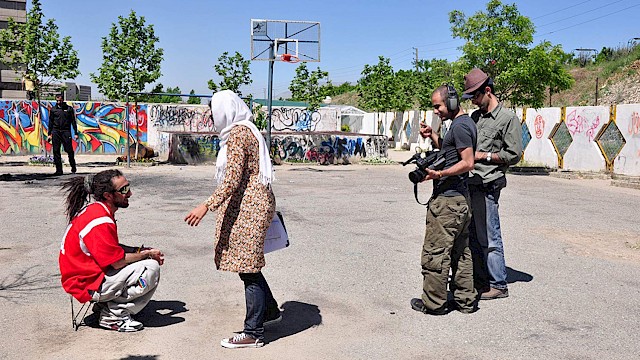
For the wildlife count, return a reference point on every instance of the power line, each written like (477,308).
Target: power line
(563,9)
(594,19)
(582,13)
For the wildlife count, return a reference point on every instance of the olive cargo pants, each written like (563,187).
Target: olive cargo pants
(446,246)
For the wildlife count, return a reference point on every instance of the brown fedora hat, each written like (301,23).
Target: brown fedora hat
(473,81)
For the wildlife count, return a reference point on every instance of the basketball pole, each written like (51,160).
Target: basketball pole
(272,58)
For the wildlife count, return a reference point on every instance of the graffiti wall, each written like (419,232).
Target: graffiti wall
(326,149)
(318,148)
(628,122)
(24,127)
(287,118)
(166,119)
(583,124)
(540,150)
(193,148)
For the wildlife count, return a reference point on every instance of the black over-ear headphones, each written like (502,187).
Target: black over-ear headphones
(452,102)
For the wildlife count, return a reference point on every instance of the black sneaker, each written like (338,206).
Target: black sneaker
(73,169)
(418,305)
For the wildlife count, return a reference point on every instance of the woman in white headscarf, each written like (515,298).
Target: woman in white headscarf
(245,206)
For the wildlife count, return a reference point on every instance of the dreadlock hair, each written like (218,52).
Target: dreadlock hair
(79,188)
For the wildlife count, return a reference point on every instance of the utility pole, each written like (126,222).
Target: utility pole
(597,91)
(416,49)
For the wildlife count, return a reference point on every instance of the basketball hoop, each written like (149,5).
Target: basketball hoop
(289,58)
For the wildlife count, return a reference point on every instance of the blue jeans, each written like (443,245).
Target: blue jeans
(485,238)
(259,302)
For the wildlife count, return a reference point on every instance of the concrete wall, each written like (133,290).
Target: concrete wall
(584,124)
(321,148)
(628,121)
(288,118)
(540,149)
(299,135)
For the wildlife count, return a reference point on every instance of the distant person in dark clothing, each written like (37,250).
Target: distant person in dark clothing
(61,119)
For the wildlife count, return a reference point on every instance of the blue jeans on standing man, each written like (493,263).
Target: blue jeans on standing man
(260,303)
(485,237)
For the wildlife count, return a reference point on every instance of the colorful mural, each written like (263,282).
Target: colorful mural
(324,149)
(24,127)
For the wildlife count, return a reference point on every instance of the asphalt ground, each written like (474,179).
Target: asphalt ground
(572,250)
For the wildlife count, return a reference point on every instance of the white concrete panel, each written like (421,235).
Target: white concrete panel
(368,124)
(329,119)
(540,149)
(584,123)
(628,121)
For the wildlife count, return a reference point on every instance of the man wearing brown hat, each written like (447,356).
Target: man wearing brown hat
(499,146)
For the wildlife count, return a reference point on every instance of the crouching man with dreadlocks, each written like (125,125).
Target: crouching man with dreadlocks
(94,265)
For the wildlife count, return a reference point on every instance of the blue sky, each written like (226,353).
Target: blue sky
(194,33)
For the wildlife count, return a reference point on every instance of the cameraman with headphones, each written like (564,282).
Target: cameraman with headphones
(446,241)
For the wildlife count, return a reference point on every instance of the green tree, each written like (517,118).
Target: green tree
(435,72)
(498,41)
(332,90)
(376,87)
(306,87)
(193,99)
(130,58)
(405,85)
(162,99)
(259,117)
(36,49)
(234,72)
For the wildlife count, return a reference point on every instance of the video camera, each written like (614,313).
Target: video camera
(431,160)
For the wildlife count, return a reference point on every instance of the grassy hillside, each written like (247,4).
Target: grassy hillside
(618,83)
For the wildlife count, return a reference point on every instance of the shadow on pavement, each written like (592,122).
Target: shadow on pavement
(517,276)
(160,313)
(27,177)
(140,357)
(155,314)
(296,317)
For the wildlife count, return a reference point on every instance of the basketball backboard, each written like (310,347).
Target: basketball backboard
(300,39)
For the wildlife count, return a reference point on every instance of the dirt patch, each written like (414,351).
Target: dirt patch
(611,245)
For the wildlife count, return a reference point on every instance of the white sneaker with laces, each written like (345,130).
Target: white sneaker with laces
(124,325)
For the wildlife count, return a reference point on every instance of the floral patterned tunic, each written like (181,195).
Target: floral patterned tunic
(245,207)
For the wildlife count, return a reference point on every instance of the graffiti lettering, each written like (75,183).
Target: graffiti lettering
(294,119)
(538,125)
(185,118)
(578,124)
(634,125)
(325,149)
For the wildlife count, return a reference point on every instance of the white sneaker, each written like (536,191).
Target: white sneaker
(125,325)
(241,340)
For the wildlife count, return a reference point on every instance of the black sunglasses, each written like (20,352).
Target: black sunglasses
(124,190)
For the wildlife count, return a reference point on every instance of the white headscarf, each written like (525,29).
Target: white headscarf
(228,110)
